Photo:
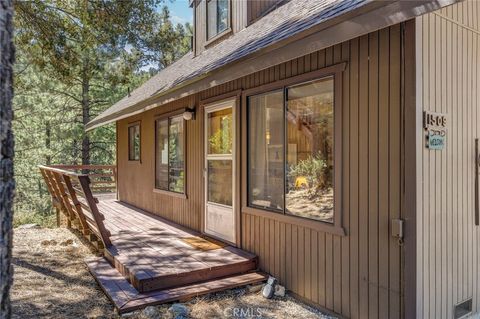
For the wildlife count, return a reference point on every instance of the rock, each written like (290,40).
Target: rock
(178,311)
(279,291)
(67,242)
(269,288)
(151,313)
(49,242)
(255,288)
(128,315)
(29,226)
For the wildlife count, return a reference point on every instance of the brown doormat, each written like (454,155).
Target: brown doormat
(203,244)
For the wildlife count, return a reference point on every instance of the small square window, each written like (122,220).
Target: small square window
(218,13)
(134,142)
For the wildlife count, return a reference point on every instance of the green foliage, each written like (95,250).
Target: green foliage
(314,169)
(221,140)
(44,220)
(75,58)
(165,43)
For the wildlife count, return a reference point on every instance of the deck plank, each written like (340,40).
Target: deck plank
(153,253)
(191,291)
(126,298)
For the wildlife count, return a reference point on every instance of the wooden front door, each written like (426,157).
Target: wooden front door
(220,170)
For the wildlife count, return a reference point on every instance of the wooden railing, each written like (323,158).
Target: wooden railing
(72,195)
(103,177)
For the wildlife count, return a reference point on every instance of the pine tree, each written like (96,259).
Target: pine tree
(7,183)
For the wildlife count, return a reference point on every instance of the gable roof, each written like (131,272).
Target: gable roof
(288,20)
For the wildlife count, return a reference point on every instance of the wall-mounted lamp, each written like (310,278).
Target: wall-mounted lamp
(189,114)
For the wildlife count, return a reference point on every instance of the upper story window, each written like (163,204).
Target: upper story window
(134,142)
(218,17)
(170,154)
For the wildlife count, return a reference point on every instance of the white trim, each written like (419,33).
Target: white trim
(209,108)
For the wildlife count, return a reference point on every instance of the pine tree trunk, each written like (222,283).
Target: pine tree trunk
(85,112)
(7,184)
(48,142)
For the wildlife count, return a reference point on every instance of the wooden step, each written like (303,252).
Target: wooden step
(126,298)
(146,273)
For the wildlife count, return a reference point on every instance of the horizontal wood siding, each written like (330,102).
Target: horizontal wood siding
(447,250)
(357,275)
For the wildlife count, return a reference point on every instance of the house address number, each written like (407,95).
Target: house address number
(435,125)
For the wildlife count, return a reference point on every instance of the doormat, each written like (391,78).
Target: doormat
(203,244)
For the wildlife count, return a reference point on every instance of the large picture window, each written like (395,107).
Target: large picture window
(217,17)
(291,150)
(134,142)
(170,154)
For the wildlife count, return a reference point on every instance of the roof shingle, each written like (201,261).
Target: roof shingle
(292,18)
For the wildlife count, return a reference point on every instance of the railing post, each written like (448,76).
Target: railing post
(99,218)
(66,193)
(78,208)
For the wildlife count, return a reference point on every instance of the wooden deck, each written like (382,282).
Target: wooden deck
(155,261)
(147,260)
(155,254)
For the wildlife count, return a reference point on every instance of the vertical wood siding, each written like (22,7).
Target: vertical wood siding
(357,275)
(238,21)
(447,248)
(256,8)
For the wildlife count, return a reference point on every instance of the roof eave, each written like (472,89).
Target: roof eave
(371,17)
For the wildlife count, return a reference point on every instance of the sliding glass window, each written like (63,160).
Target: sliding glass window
(290,150)
(265,151)
(170,154)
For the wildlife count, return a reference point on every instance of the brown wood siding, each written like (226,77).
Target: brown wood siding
(256,8)
(357,275)
(200,26)
(447,247)
(238,15)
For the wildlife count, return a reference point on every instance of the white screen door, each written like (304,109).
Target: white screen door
(220,170)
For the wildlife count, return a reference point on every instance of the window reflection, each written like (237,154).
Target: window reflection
(217,15)
(170,155)
(309,165)
(290,150)
(134,142)
(265,142)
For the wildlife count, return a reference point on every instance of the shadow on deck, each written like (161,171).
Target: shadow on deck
(147,260)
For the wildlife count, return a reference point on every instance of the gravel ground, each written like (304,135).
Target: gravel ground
(50,278)
(52,281)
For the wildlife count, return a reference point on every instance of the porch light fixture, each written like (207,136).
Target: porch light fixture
(189,114)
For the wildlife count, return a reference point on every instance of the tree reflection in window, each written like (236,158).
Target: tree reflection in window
(290,150)
(170,158)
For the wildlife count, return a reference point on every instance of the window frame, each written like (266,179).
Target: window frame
(223,33)
(336,72)
(130,125)
(168,117)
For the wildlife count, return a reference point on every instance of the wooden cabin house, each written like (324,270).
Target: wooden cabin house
(328,143)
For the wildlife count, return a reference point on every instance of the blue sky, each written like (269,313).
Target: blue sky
(180,11)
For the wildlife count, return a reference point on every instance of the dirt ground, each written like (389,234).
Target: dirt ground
(51,281)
